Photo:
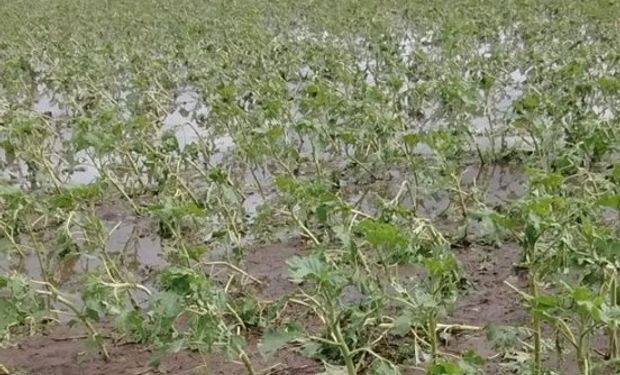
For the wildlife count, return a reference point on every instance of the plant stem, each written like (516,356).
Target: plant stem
(612,329)
(582,351)
(246,363)
(258,184)
(432,336)
(536,327)
(93,332)
(346,353)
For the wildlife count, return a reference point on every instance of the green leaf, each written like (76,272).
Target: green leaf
(610,314)
(306,267)
(527,104)
(581,294)
(382,234)
(384,368)
(442,266)
(402,324)
(182,281)
(531,235)
(286,184)
(5,245)
(444,368)
(473,358)
(615,174)
(196,252)
(164,305)
(611,201)
(502,337)
(311,349)
(487,81)
(503,221)
(610,249)
(412,139)
(543,302)
(609,84)
(218,175)
(549,181)
(273,341)
(131,322)
(322,213)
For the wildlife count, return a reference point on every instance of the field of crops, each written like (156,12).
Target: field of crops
(322,187)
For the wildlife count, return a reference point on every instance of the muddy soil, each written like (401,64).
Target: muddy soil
(67,352)
(489,301)
(268,264)
(486,300)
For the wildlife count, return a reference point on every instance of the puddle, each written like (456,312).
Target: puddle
(184,121)
(46,104)
(495,185)
(252,203)
(187,120)
(140,248)
(138,242)
(500,184)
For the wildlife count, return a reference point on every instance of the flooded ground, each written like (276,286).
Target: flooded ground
(189,153)
(136,242)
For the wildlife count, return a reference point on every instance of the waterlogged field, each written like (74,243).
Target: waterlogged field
(281,187)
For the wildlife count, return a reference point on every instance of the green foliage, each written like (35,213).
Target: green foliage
(272,341)
(19,305)
(215,126)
